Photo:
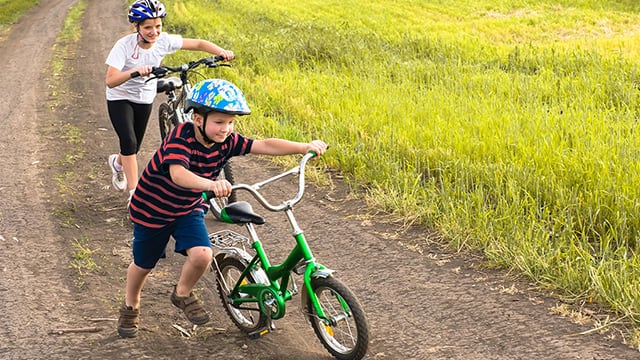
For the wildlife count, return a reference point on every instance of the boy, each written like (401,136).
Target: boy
(167,200)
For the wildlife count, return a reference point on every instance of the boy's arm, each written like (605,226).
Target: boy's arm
(286,147)
(188,180)
(207,46)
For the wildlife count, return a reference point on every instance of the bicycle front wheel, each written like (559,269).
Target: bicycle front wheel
(344,331)
(167,119)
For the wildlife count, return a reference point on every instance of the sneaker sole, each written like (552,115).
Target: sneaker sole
(114,173)
(127,333)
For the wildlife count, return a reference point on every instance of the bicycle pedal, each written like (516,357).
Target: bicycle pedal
(258,333)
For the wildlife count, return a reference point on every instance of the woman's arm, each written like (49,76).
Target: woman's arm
(116,77)
(207,46)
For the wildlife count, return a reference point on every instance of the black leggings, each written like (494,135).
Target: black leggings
(130,122)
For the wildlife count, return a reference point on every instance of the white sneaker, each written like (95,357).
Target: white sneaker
(119,181)
(130,196)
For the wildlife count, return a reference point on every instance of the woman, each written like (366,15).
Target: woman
(129,100)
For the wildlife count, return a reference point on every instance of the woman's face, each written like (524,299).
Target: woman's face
(150,29)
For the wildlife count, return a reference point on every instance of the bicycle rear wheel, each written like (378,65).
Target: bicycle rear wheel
(246,316)
(167,119)
(226,173)
(345,332)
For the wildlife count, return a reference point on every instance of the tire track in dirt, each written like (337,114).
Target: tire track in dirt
(31,254)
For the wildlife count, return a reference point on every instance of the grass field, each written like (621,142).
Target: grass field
(510,128)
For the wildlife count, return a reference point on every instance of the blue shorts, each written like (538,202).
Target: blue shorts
(149,244)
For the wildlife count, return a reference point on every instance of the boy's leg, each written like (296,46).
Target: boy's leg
(148,247)
(130,309)
(195,266)
(192,239)
(197,263)
(136,277)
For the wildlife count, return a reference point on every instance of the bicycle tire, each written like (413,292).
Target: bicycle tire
(246,316)
(167,119)
(347,337)
(228,174)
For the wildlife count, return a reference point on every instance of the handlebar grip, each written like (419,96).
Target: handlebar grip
(154,70)
(208,195)
(218,58)
(315,154)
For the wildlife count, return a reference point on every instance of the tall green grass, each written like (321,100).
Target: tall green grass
(511,127)
(11,11)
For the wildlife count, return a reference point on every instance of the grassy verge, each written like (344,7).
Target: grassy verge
(11,11)
(511,128)
(71,149)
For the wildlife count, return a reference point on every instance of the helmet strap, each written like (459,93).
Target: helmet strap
(144,41)
(206,139)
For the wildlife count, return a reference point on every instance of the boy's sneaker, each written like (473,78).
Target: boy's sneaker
(119,180)
(128,321)
(191,306)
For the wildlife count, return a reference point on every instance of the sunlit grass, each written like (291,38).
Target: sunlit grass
(11,11)
(511,128)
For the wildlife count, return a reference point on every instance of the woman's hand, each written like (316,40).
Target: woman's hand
(143,70)
(227,54)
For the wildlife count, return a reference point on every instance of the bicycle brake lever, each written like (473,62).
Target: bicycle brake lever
(157,72)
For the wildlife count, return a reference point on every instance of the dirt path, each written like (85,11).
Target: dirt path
(431,304)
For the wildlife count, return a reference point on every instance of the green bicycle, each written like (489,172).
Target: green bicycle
(254,291)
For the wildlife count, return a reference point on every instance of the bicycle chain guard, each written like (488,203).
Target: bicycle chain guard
(271,304)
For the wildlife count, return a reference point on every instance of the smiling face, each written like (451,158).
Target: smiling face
(218,126)
(150,29)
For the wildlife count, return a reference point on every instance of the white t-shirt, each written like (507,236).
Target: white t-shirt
(126,54)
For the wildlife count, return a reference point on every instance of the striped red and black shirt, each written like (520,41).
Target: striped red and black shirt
(157,200)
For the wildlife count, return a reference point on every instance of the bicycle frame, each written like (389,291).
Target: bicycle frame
(254,291)
(176,101)
(169,85)
(274,289)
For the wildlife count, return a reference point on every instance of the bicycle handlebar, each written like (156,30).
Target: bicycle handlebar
(163,70)
(253,189)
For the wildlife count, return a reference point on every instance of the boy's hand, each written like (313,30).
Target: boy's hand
(317,146)
(220,188)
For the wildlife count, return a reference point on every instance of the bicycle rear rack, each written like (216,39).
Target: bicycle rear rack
(228,238)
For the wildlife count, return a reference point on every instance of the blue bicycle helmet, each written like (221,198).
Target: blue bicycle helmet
(217,95)
(146,9)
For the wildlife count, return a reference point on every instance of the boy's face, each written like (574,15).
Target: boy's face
(218,126)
